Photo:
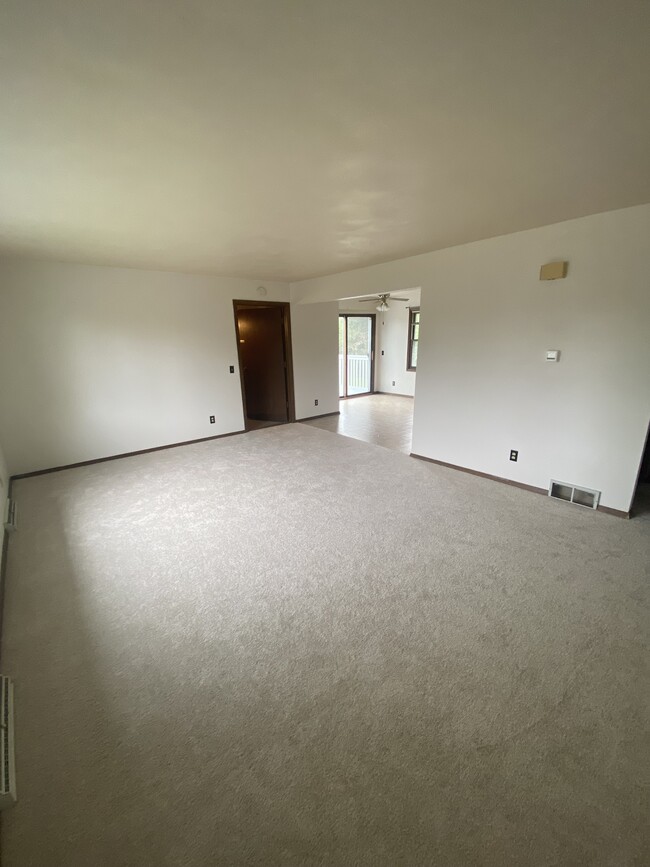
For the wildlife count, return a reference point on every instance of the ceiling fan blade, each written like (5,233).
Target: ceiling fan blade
(367,300)
(397,298)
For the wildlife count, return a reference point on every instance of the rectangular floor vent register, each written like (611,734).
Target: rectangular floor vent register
(573,494)
(7,762)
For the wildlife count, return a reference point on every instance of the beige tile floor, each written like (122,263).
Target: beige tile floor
(383,419)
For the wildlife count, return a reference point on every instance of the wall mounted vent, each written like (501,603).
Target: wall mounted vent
(553,271)
(573,494)
(10,517)
(7,762)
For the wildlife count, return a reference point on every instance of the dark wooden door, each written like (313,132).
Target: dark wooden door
(263,358)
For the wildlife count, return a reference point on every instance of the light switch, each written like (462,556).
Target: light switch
(552,354)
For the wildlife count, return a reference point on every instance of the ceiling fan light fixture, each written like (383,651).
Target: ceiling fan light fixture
(382,306)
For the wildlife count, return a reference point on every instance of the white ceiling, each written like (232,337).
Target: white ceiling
(291,138)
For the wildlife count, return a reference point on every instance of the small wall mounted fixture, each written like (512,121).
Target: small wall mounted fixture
(553,271)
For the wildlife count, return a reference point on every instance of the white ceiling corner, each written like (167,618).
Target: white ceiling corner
(287,139)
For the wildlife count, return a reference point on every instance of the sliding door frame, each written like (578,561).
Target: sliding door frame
(373,326)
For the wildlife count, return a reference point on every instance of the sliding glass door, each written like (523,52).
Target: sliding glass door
(356,354)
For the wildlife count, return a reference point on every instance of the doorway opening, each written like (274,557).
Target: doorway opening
(356,354)
(641,500)
(263,330)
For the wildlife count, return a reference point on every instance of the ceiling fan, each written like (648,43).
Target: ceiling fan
(383,301)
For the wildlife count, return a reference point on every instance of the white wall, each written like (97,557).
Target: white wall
(314,332)
(483,384)
(99,361)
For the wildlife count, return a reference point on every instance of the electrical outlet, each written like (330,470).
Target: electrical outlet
(211,419)
(316,402)
(514,454)
(393,382)
(382,352)
(232,368)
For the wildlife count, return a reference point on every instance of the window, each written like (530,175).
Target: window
(414,336)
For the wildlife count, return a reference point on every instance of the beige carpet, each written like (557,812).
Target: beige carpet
(294,648)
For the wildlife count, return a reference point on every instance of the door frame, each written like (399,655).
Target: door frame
(373,320)
(637,481)
(288,357)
